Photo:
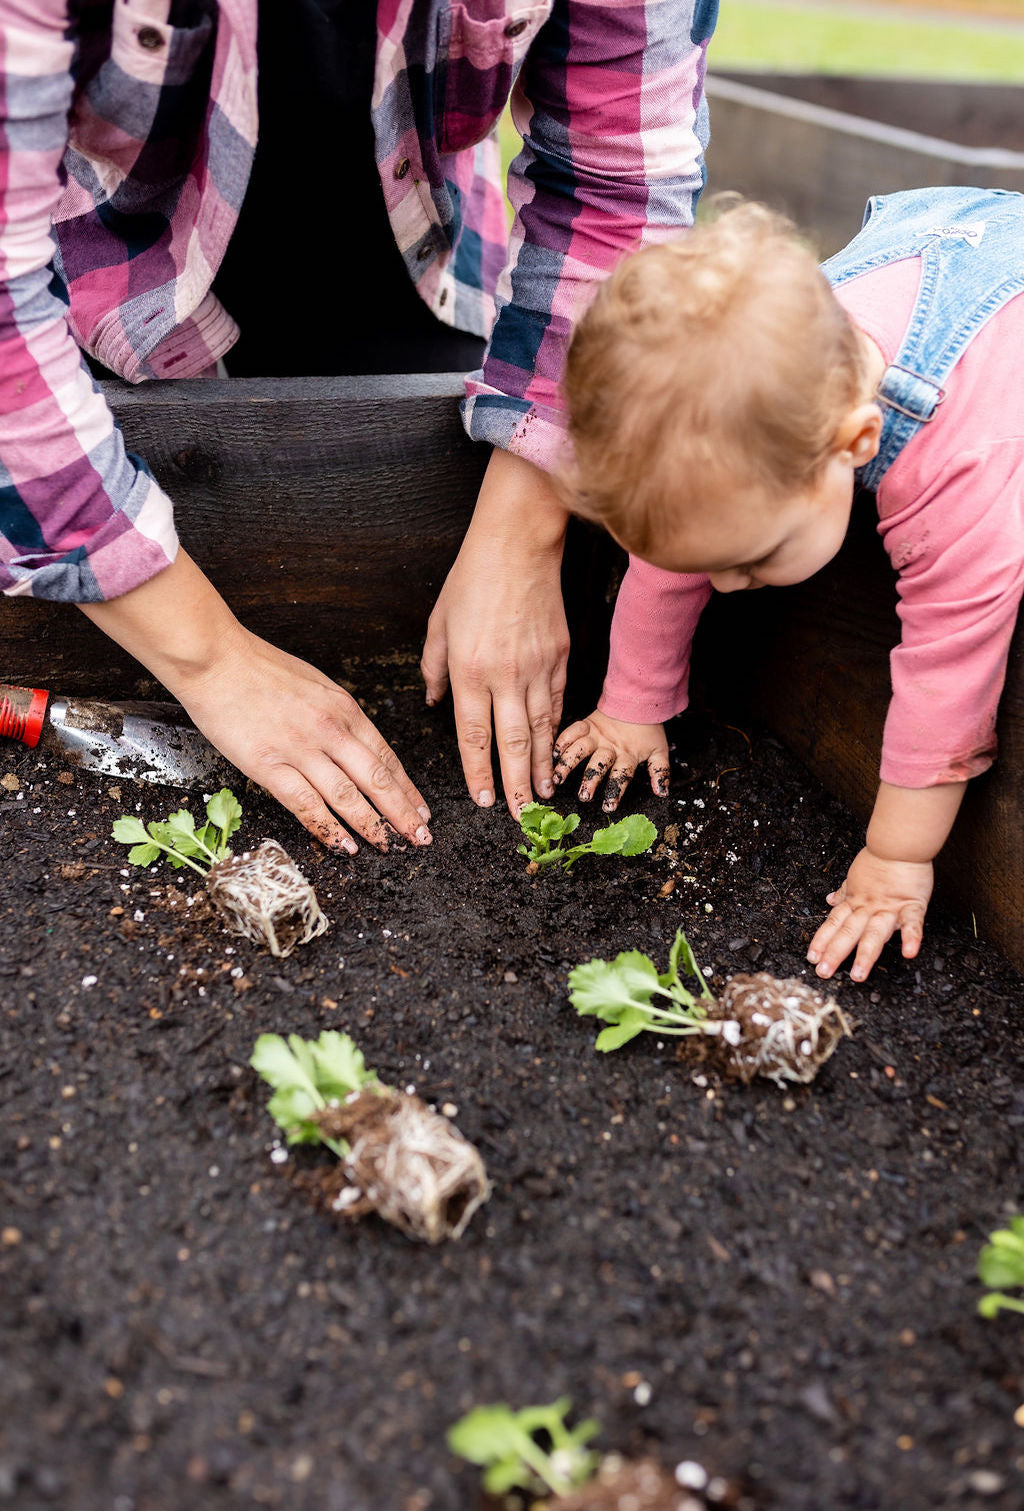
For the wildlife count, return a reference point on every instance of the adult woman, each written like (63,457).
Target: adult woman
(128,130)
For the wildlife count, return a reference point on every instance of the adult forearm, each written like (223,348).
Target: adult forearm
(176,624)
(519,507)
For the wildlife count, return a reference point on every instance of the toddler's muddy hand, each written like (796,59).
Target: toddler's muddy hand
(612,749)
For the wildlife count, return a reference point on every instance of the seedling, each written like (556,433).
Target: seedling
(261,894)
(546,831)
(398,1157)
(532,1450)
(1001,1264)
(783,1030)
(621,993)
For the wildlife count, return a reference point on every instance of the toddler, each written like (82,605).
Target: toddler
(725,395)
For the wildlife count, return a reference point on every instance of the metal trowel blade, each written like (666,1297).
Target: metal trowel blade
(144,742)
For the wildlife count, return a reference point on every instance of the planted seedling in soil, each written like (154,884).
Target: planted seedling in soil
(546,831)
(261,894)
(1001,1264)
(398,1157)
(534,1453)
(533,1450)
(758,1026)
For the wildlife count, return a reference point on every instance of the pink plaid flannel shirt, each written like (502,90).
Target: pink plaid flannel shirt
(126,136)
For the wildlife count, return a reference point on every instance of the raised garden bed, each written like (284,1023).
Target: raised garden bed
(775,1283)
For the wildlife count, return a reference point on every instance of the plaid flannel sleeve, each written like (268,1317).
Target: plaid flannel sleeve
(610,105)
(81,520)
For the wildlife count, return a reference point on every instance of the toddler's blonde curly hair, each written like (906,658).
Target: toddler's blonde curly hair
(708,363)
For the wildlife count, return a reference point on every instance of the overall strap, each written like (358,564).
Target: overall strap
(971,246)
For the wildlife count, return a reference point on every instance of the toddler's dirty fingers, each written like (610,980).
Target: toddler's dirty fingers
(658,770)
(573,745)
(598,766)
(619,779)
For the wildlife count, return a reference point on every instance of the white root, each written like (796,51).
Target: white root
(262,895)
(410,1164)
(786,1029)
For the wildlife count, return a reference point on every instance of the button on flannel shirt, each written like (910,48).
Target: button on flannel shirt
(126,136)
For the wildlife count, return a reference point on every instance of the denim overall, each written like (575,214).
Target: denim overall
(971,245)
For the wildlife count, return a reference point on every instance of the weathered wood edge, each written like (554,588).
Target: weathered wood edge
(328,512)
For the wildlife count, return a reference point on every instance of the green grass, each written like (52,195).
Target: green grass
(809,39)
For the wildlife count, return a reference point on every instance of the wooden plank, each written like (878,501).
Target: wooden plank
(327,511)
(973,115)
(812,662)
(820,165)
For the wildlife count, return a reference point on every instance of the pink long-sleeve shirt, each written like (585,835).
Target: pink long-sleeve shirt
(951,517)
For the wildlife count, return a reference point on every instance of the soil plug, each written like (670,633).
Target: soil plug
(260,894)
(545,830)
(534,1454)
(787,1030)
(784,1030)
(398,1157)
(1001,1264)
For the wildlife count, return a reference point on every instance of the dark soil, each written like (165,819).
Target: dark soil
(777,1284)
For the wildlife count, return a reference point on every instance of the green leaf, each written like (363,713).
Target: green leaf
(225,813)
(531,817)
(306,1076)
(129,831)
(289,1069)
(486,1434)
(631,835)
(608,988)
(181,822)
(144,855)
(505,1442)
(630,1023)
(1000,1266)
(339,1066)
(224,810)
(292,1108)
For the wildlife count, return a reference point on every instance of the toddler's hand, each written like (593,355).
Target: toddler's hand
(613,749)
(877,898)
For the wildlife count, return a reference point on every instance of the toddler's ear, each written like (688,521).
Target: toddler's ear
(858,436)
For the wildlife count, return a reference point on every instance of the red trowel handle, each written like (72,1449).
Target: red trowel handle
(22,710)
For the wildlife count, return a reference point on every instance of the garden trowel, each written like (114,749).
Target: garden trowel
(146,742)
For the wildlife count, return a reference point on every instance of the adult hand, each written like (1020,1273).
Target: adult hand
(614,749)
(278,719)
(877,898)
(498,633)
